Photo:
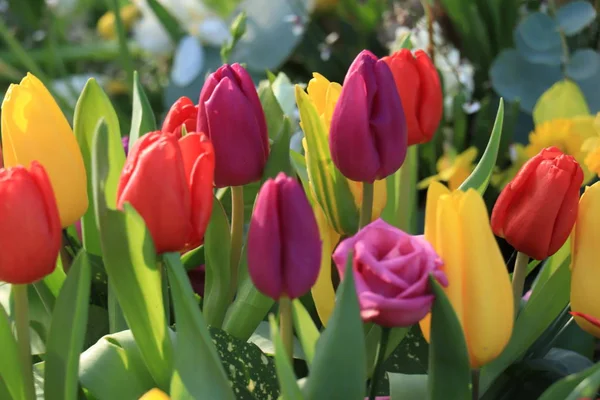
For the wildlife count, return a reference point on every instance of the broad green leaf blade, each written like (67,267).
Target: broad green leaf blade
(285,371)
(407,387)
(339,366)
(142,116)
(10,362)
(49,287)
(130,262)
(67,332)
(272,109)
(168,21)
(305,329)
(279,156)
(588,388)
(194,258)
(198,372)
(401,206)
(480,177)
(92,106)
(449,370)
(217,245)
(567,386)
(563,100)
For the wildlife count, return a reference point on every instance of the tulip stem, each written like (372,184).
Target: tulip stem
(164,283)
(285,326)
(367,205)
(475,384)
(379,359)
(518,279)
(237,233)
(22,325)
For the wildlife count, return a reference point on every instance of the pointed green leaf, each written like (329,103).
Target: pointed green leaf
(142,116)
(572,386)
(67,333)
(279,156)
(272,109)
(400,208)
(10,362)
(285,371)
(305,329)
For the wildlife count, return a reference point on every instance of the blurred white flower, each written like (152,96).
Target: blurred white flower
(70,87)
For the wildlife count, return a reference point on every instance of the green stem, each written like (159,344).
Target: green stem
(378,374)
(286,325)
(237,233)
(116,319)
(407,191)
(367,205)
(518,279)
(475,384)
(22,323)
(126,60)
(164,282)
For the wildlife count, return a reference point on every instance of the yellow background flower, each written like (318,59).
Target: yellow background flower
(454,169)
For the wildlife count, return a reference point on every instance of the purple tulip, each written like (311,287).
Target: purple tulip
(125,142)
(231,115)
(391,269)
(368,135)
(197,278)
(284,247)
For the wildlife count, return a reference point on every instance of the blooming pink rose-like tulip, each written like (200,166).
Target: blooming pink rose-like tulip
(368,135)
(391,269)
(284,246)
(230,114)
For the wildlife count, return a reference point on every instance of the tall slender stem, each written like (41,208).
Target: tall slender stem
(475,383)
(286,325)
(22,322)
(518,279)
(378,374)
(367,205)
(164,281)
(237,233)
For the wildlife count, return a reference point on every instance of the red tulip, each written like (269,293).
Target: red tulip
(169,182)
(30,237)
(418,84)
(182,113)
(536,211)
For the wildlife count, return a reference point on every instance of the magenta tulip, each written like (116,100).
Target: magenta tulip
(230,114)
(368,135)
(284,247)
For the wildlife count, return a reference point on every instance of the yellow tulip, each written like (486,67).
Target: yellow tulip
(106,25)
(457,225)
(34,128)
(155,394)
(585,278)
(453,169)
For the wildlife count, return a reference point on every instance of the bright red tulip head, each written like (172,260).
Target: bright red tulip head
(30,237)
(182,113)
(284,247)
(169,182)
(418,84)
(368,130)
(231,115)
(536,211)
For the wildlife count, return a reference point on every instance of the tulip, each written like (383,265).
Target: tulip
(35,129)
(536,211)
(585,274)
(169,183)
(183,113)
(230,113)
(368,130)
(284,249)
(418,84)
(479,288)
(155,394)
(391,269)
(30,237)
(197,278)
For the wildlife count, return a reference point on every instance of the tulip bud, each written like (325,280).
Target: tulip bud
(368,129)
(155,394)
(182,113)
(30,237)
(230,113)
(420,90)
(284,248)
(169,183)
(35,129)
(585,274)
(536,211)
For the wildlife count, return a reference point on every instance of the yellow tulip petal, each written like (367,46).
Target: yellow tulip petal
(155,394)
(435,191)
(317,91)
(563,100)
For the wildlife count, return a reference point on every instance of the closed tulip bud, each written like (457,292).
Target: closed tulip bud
(284,248)
(35,129)
(419,87)
(585,274)
(183,113)
(479,288)
(169,183)
(536,211)
(368,129)
(230,113)
(30,237)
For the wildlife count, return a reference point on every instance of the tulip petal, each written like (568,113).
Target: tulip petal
(431,104)
(434,192)
(396,312)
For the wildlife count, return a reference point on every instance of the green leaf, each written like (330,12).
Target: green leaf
(449,370)
(194,258)
(261,337)
(574,16)
(142,116)
(198,372)
(10,362)
(124,54)
(372,342)
(480,177)
(407,387)
(279,157)
(339,366)
(400,208)
(272,109)
(130,262)
(569,386)
(285,371)
(67,333)
(305,329)
(92,106)
(168,21)
(49,287)
(217,245)
(222,7)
